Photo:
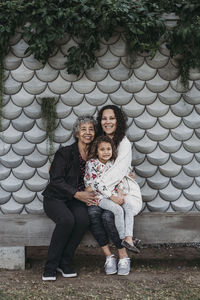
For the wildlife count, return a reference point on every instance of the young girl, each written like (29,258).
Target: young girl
(103,154)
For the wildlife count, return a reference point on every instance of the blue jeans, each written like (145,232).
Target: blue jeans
(102,226)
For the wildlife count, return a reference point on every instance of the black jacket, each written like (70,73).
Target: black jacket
(64,174)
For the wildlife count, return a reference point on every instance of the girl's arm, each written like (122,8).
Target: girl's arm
(118,170)
(91,174)
(88,174)
(90,178)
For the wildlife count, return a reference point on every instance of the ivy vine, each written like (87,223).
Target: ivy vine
(43,22)
(89,21)
(10,19)
(48,111)
(184,40)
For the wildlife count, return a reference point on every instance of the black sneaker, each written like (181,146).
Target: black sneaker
(130,247)
(49,275)
(67,271)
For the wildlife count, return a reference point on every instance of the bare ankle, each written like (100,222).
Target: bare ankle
(129,240)
(122,253)
(106,250)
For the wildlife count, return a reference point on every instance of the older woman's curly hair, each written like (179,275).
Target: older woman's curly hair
(100,139)
(121,123)
(82,120)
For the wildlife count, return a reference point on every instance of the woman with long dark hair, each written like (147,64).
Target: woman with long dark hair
(112,122)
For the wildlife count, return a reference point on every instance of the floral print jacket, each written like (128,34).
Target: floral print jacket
(93,172)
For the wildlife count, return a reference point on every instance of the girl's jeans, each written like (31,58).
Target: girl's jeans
(102,226)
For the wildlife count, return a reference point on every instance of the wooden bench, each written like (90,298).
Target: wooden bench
(19,231)
(151,228)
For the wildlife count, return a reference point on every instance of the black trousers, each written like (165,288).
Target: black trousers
(71,220)
(102,226)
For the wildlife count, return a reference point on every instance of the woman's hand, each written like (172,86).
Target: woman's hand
(121,193)
(86,197)
(89,189)
(117,199)
(132,175)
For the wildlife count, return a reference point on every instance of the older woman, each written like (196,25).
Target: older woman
(65,200)
(112,122)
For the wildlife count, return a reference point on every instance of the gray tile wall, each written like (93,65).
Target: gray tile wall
(163,119)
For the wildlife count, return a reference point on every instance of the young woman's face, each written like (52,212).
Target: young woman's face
(109,122)
(86,133)
(104,152)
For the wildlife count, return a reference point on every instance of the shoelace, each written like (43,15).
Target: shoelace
(123,262)
(109,260)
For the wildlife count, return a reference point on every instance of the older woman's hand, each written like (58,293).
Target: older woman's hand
(85,196)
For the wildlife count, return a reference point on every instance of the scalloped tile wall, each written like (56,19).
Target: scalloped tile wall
(163,119)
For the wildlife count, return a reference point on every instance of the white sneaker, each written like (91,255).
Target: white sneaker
(110,265)
(124,266)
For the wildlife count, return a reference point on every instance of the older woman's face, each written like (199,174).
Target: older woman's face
(109,122)
(86,133)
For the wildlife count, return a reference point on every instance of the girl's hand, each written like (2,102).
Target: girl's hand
(132,175)
(117,199)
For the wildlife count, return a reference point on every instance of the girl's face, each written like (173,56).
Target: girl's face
(86,133)
(104,152)
(109,122)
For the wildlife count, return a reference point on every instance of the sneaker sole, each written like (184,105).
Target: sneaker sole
(123,274)
(48,278)
(111,273)
(66,275)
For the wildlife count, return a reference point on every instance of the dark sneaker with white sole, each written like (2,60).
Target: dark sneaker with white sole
(67,271)
(130,247)
(49,275)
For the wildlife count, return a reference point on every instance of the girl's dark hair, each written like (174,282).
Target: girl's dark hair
(97,142)
(121,123)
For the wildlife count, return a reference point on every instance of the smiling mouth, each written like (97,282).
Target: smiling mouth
(109,126)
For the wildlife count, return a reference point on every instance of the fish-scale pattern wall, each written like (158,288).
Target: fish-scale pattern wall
(163,120)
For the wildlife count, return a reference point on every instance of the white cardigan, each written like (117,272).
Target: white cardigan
(120,168)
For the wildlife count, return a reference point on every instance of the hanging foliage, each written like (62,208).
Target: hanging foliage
(89,21)
(49,116)
(10,19)
(43,22)
(184,40)
(141,22)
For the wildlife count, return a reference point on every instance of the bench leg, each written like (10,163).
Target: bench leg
(12,258)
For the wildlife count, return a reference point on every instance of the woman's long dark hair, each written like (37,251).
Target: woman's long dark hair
(121,123)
